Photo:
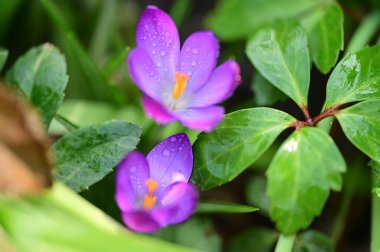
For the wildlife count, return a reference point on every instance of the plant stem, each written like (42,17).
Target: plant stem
(285,243)
(365,32)
(375,224)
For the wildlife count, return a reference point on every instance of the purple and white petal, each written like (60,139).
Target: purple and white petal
(171,161)
(144,73)
(198,58)
(156,111)
(177,203)
(219,87)
(131,175)
(158,35)
(140,221)
(204,119)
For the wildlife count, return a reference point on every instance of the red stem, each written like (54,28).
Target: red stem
(313,121)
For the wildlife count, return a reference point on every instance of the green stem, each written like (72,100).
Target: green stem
(365,32)
(285,243)
(375,224)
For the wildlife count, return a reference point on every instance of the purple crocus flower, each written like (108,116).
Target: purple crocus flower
(153,192)
(180,84)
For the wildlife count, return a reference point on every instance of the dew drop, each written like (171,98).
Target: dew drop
(146,26)
(154,44)
(193,63)
(133,169)
(166,153)
(180,148)
(153,52)
(194,51)
(173,139)
(159,64)
(163,53)
(187,49)
(189,73)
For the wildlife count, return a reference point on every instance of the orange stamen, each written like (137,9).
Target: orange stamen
(149,202)
(149,199)
(180,84)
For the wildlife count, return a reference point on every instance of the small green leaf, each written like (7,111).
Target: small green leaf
(325,35)
(115,62)
(311,241)
(376,177)
(238,19)
(86,155)
(256,194)
(224,207)
(281,55)
(265,93)
(197,233)
(235,144)
(41,76)
(255,239)
(355,78)
(3,57)
(360,123)
(303,170)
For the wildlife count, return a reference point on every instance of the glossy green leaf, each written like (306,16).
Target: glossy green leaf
(300,176)
(235,144)
(224,207)
(255,239)
(281,55)
(237,19)
(86,155)
(360,123)
(325,35)
(376,177)
(62,221)
(265,93)
(3,57)
(313,241)
(41,76)
(197,233)
(256,194)
(355,78)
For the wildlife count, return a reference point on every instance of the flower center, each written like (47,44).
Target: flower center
(149,199)
(180,84)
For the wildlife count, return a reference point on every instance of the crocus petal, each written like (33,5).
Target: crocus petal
(198,58)
(158,35)
(144,73)
(131,174)
(171,161)
(219,87)
(178,202)
(156,111)
(140,221)
(201,118)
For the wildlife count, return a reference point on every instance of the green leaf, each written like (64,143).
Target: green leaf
(255,239)
(116,61)
(60,220)
(355,78)
(312,241)
(303,170)
(224,207)
(256,194)
(85,156)
(197,233)
(360,123)
(237,19)
(281,55)
(325,35)
(376,177)
(235,144)
(41,76)
(3,57)
(265,93)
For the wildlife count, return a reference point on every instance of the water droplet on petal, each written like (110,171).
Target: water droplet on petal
(194,51)
(154,44)
(166,153)
(189,73)
(163,53)
(159,64)
(187,49)
(153,52)
(133,169)
(180,148)
(173,139)
(193,63)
